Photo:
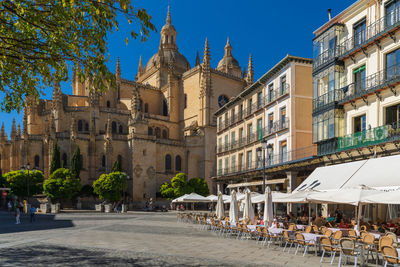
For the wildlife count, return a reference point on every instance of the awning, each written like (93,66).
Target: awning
(192,197)
(255,183)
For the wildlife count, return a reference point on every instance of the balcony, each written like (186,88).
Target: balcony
(326,99)
(277,93)
(371,83)
(380,28)
(276,126)
(366,138)
(236,144)
(325,58)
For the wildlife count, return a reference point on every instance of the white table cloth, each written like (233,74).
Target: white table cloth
(312,238)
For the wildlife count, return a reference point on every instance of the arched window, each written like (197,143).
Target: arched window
(103,161)
(185,102)
(168,163)
(87,127)
(37,161)
(150,131)
(166,39)
(80,125)
(108,104)
(172,39)
(178,163)
(164,134)
(158,132)
(146,108)
(120,130)
(140,105)
(165,108)
(114,127)
(119,158)
(64,160)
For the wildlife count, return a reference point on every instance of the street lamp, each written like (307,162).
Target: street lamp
(27,168)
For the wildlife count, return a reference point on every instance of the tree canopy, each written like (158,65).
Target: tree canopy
(62,184)
(180,186)
(40,39)
(110,186)
(18,182)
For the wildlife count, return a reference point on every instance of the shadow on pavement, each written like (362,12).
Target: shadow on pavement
(42,222)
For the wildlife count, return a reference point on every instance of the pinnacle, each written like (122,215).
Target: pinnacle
(168,16)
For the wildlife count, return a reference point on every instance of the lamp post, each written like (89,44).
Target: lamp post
(27,168)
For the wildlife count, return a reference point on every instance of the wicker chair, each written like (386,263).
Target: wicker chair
(328,232)
(336,237)
(363,228)
(288,240)
(394,237)
(323,229)
(352,234)
(390,255)
(308,229)
(347,249)
(292,227)
(327,246)
(384,241)
(369,245)
(315,229)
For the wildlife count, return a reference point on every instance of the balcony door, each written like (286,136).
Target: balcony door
(283,152)
(359,30)
(360,124)
(393,116)
(359,78)
(392,64)
(392,13)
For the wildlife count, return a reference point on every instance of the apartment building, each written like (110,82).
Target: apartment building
(275,110)
(356,72)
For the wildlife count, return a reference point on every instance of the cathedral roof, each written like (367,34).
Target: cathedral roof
(228,63)
(180,61)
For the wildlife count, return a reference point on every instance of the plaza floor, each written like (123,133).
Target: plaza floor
(133,239)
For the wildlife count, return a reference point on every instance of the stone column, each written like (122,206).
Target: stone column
(291,185)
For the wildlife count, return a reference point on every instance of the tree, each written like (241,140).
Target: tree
(62,185)
(76,162)
(180,185)
(39,39)
(55,158)
(116,166)
(200,186)
(110,186)
(18,182)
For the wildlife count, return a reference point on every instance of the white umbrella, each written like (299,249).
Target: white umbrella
(212,198)
(220,212)
(268,213)
(233,209)
(248,213)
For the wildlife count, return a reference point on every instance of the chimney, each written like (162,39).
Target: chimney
(330,13)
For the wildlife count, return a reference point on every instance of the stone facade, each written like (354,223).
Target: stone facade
(157,125)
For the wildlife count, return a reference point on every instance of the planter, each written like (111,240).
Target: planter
(99,207)
(124,208)
(107,207)
(55,208)
(45,208)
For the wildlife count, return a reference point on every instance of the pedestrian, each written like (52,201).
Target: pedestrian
(9,206)
(17,215)
(33,211)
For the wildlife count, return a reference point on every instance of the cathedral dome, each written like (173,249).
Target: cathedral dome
(228,63)
(180,61)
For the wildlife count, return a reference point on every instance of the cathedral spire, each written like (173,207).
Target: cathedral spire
(250,71)
(25,123)
(197,58)
(140,67)
(13,130)
(168,34)
(118,69)
(206,55)
(168,20)
(2,133)
(228,49)
(19,130)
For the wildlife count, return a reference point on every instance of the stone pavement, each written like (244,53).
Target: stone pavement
(133,239)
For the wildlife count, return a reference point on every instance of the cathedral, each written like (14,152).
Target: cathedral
(156,125)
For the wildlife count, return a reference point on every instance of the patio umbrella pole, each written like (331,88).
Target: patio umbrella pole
(309,213)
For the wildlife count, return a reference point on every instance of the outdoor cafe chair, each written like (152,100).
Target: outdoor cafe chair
(347,249)
(288,240)
(308,229)
(390,255)
(315,229)
(394,237)
(362,233)
(259,234)
(328,233)
(323,229)
(301,242)
(336,237)
(292,227)
(363,228)
(369,244)
(352,234)
(327,246)
(384,241)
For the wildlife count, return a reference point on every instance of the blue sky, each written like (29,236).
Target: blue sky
(267,29)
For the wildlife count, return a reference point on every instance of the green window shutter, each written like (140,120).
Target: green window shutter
(359,69)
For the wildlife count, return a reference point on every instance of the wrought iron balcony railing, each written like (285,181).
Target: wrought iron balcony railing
(324,58)
(276,126)
(327,98)
(277,93)
(372,31)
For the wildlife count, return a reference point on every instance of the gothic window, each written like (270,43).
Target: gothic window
(119,159)
(158,132)
(87,127)
(114,127)
(37,161)
(108,104)
(140,105)
(103,161)
(120,130)
(185,102)
(64,160)
(80,126)
(165,108)
(164,134)
(178,163)
(146,108)
(150,131)
(168,164)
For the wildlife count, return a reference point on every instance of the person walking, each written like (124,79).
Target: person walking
(17,215)
(33,212)
(9,206)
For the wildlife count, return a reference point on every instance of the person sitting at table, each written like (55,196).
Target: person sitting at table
(343,224)
(274,224)
(390,224)
(338,215)
(382,228)
(318,221)
(330,218)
